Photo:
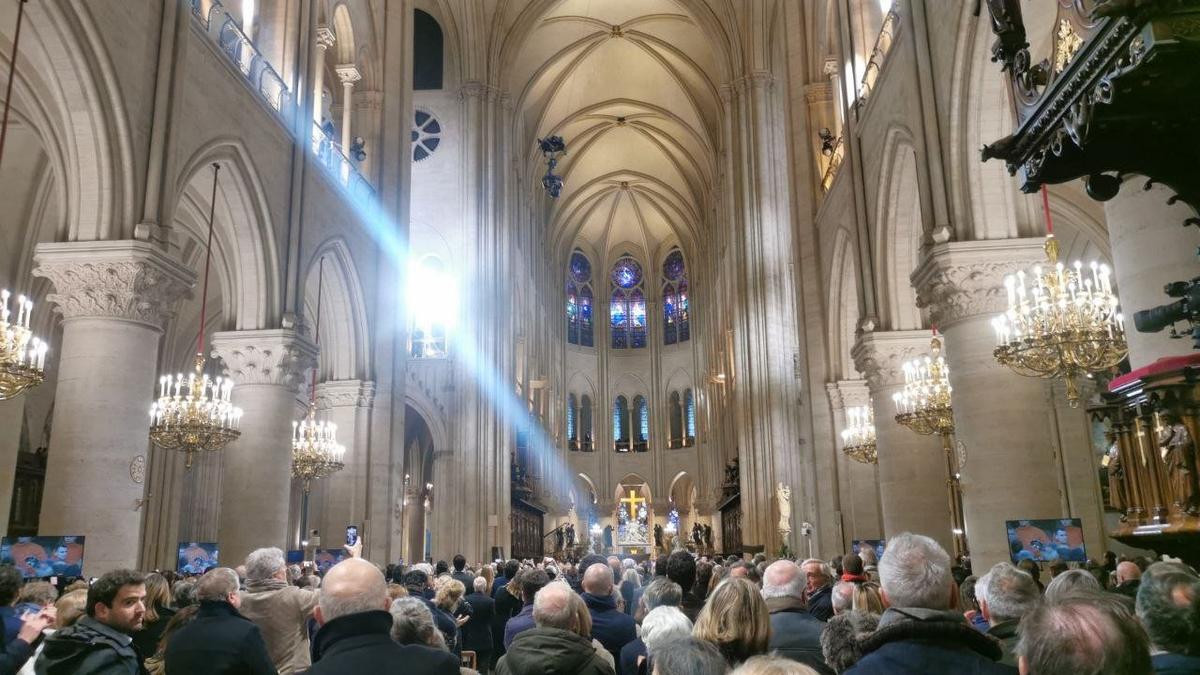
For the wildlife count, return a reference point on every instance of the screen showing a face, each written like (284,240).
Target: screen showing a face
(877,544)
(326,558)
(1046,540)
(37,557)
(197,557)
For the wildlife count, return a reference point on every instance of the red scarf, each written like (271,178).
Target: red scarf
(856,578)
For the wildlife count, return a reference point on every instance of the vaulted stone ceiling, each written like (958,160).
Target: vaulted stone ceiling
(632,85)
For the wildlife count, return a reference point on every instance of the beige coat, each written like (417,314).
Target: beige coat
(281,612)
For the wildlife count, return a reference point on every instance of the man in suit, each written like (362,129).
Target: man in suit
(477,632)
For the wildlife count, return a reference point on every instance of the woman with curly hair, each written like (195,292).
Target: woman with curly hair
(736,620)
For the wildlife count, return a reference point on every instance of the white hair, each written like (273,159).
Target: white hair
(826,568)
(1008,591)
(794,588)
(480,584)
(552,606)
(662,625)
(264,563)
(843,596)
(628,563)
(915,572)
(424,567)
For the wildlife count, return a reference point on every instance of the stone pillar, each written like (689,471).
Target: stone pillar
(913,495)
(348,74)
(1011,470)
(341,499)
(267,367)
(1150,248)
(12,417)
(861,517)
(114,297)
(324,39)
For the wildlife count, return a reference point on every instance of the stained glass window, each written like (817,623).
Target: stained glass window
(675,416)
(585,423)
(627,309)
(579,300)
(621,427)
(676,326)
(690,414)
(572,438)
(642,442)
(673,519)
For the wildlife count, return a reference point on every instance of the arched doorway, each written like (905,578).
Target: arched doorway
(417,503)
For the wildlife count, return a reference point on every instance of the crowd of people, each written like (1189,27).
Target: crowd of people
(911,611)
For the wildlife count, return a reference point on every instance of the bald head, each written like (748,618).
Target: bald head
(598,580)
(552,607)
(352,586)
(783,578)
(1128,571)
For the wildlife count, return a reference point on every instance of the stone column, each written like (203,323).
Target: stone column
(348,74)
(12,417)
(342,497)
(861,517)
(114,297)
(267,367)
(913,494)
(1150,248)
(324,39)
(1003,419)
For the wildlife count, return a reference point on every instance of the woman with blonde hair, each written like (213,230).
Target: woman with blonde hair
(449,599)
(867,598)
(736,620)
(158,614)
(773,665)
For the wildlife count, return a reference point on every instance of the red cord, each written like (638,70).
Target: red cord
(312,397)
(1046,209)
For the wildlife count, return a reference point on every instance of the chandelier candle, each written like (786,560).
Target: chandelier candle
(22,355)
(858,438)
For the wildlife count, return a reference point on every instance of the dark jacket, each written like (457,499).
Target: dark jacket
(14,655)
(796,634)
(690,605)
(507,606)
(477,632)
(444,622)
(1006,633)
(552,651)
(218,640)
(628,665)
(820,603)
(1128,589)
(362,643)
(498,583)
(928,642)
(146,639)
(1175,664)
(90,647)
(12,622)
(467,579)
(613,629)
(518,624)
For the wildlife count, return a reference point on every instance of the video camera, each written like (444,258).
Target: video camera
(1187,307)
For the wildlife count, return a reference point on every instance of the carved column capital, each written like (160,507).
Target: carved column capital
(960,280)
(848,394)
(348,73)
(345,394)
(880,356)
(277,357)
(129,280)
(324,38)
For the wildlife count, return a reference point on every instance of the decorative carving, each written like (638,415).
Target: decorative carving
(348,73)
(137,469)
(1066,43)
(129,280)
(960,280)
(783,494)
(345,394)
(880,356)
(324,38)
(277,357)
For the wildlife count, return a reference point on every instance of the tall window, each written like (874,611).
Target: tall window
(627,311)
(572,429)
(433,302)
(579,300)
(675,413)
(641,442)
(676,326)
(585,423)
(621,424)
(689,404)
(427,52)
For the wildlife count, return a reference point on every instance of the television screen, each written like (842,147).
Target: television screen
(328,557)
(1046,540)
(197,557)
(37,557)
(295,557)
(876,544)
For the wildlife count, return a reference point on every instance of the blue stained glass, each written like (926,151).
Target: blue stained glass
(571,417)
(617,312)
(643,420)
(691,414)
(673,518)
(581,268)
(572,308)
(627,273)
(585,309)
(673,266)
(639,312)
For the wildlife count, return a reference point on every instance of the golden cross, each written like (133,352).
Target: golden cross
(633,500)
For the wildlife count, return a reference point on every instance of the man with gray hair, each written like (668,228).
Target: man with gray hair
(795,633)
(818,590)
(689,656)
(1084,635)
(843,597)
(355,634)
(554,644)
(1168,603)
(219,640)
(661,593)
(280,609)
(922,632)
(476,633)
(1006,594)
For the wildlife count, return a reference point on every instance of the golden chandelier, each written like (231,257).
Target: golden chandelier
(22,356)
(858,438)
(924,403)
(315,450)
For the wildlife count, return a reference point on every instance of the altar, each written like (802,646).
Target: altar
(633,525)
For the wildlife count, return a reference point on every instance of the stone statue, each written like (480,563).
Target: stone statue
(1179,456)
(558,539)
(608,537)
(658,534)
(707,537)
(783,494)
(1117,496)
(696,536)
(570,535)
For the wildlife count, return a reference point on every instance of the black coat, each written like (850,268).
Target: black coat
(477,633)
(613,629)
(820,603)
(507,606)
(796,635)
(88,646)
(362,643)
(924,642)
(218,641)
(146,639)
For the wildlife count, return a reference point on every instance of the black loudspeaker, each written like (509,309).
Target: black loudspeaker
(497,553)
